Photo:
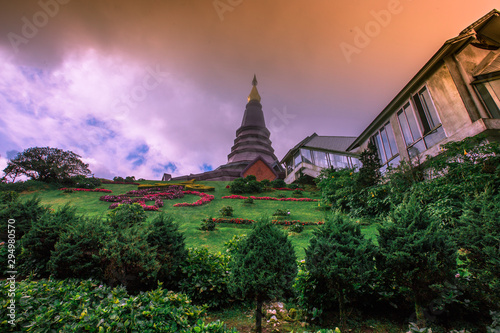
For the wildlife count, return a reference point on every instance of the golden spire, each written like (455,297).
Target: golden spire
(254,94)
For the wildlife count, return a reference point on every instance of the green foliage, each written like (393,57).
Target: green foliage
(369,173)
(278,183)
(297,228)
(478,236)
(76,253)
(118,179)
(46,164)
(226,211)
(248,201)
(39,242)
(81,181)
(249,184)
(130,179)
(281,212)
(341,264)
(129,260)
(338,187)
(125,216)
(232,246)
(24,212)
(85,306)
(171,250)
(264,266)
(205,278)
(208,224)
(417,256)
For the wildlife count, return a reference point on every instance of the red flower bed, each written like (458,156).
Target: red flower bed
(268,198)
(87,189)
(141,196)
(278,222)
(205,198)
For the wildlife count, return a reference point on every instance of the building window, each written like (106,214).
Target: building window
(297,158)
(386,144)
(429,119)
(306,156)
(320,159)
(490,94)
(338,161)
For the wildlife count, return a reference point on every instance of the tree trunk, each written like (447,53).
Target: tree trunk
(341,314)
(419,311)
(258,317)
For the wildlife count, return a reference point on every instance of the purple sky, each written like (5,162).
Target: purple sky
(146,87)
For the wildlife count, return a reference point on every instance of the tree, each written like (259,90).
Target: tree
(264,266)
(341,261)
(416,254)
(369,173)
(46,164)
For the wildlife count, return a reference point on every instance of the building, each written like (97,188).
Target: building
(315,153)
(252,152)
(455,95)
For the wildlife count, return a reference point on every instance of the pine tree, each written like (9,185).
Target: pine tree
(341,261)
(369,173)
(264,267)
(416,254)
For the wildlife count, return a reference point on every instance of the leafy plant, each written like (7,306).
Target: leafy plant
(297,227)
(226,211)
(208,224)
(263,267)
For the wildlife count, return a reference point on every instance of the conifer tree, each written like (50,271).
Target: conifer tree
(416,254)
(341,261)
(264,267)
(369,173)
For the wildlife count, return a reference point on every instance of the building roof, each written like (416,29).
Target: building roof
(470,34)
(321,142)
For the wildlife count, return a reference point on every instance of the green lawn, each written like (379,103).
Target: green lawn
(189,218)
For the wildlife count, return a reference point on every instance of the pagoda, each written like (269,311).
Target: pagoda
(252,152)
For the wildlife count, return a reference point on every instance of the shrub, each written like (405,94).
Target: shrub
(226,211)
(248,201)
(297,193)
(281,212)
(24,212)
(84,305)
(118,179)
(338,188)
(125,216)
(205,278)
(263,267)
(340,262)
(249,184)
(76,253)
(416,255)
(39,242)
(297,227)
(129,260)
(208,224)
(170,248)
(83,182)
(278,183)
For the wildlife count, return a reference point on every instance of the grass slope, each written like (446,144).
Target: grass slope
(189,218)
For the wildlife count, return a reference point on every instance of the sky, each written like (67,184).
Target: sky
(142,88)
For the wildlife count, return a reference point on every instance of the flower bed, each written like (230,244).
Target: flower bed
(205,198)
(267,198)
(277,222)
(141,196)
(86,189)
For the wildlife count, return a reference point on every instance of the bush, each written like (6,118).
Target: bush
(129,260)
(248,201)
(297,227)
(171,250)
(24,212)
(76,253)
(264,266)
(341,263)
(278,183)
(208,224)
(125,216)
(85,305)
(416,255)
(281,212)
(226,211)
(82,182)
(205,278)
(249,184)
(118,179)
(39,242)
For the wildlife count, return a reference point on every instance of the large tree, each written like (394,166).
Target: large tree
(264,267)
(46,164)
